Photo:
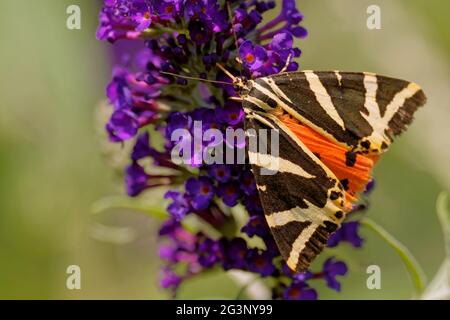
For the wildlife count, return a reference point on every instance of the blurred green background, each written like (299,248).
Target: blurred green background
(52,169)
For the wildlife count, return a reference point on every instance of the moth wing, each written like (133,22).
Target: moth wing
(361,111)
(302,199)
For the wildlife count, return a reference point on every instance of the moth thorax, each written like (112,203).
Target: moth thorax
(242,86)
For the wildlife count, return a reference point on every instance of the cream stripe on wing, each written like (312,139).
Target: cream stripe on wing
(373,117)
(299,244)
(259,103)
(312,214)
(261,187)
(339,77)
(380,123)
(399,100)
(276,89)
(323,98)
(270,162)
(278,219)
(291,111)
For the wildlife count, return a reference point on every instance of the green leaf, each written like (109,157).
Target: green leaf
(122,202)
(439,287)
(444,217)
(412,266)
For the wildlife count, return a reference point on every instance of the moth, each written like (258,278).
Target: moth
(333,128)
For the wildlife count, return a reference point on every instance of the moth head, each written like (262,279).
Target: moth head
(241,85)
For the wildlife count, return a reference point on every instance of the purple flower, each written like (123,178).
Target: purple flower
(332,269)
(299,291)
(200,32)
(179,206)
(248,184)
(168,9)
(142,148)
(370,186)
(118,90)
(200,191)
(209,252)
(136,179)
(253,204)
(209,13)
(235,254)
(122,126)
(253,57)
(167,253)
(289,18)
(256,226)
(244,21)
(260,263)
(123,19)
(282,41)
(220,172)
(231,114)
(143,20)
(168,227)
(178,120)
(347,233)
(229,193)
(169,279)
(297,276)
(195,7)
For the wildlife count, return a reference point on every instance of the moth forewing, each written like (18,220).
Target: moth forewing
(359,111)
(297,197)
(304,202)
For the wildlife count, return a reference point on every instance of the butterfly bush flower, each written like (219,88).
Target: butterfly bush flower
(189,38)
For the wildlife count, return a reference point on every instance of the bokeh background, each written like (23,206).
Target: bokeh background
(53,168)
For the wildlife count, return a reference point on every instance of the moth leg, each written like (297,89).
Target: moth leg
(288,62)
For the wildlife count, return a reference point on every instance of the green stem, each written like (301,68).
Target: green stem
(444,217)
(121,202)
(415,271)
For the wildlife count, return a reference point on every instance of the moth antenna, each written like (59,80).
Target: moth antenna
(288,62)
(195,78)
(228,73)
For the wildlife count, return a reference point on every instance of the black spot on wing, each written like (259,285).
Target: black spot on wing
(345,183)
(350,159)
(334,195)
(365,144)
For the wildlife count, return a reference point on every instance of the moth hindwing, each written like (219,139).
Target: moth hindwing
(356,115)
